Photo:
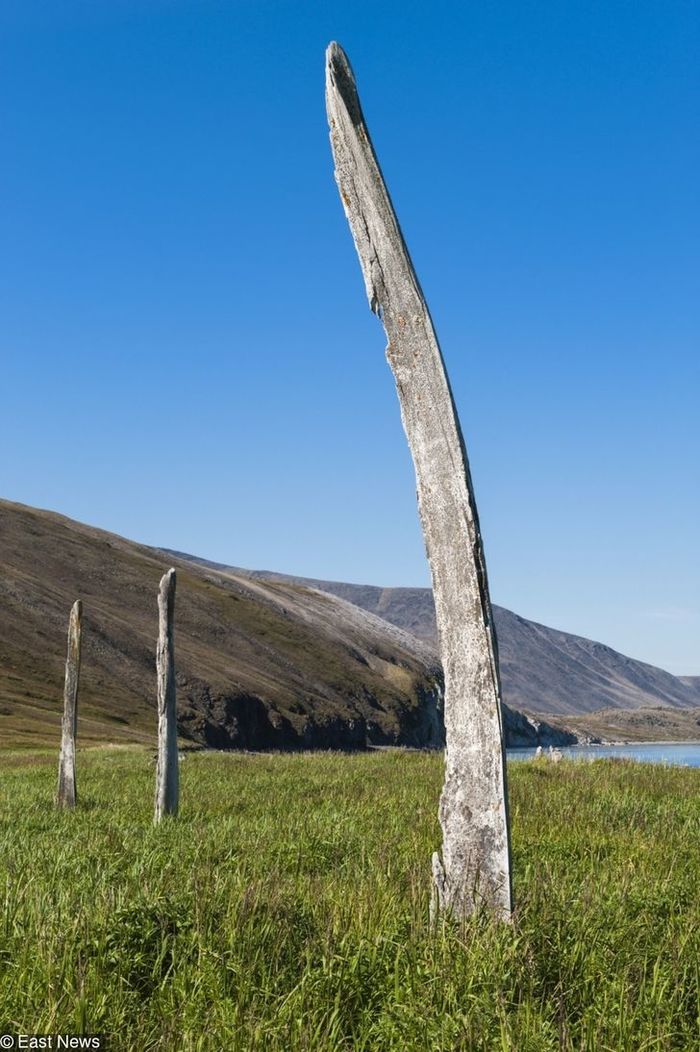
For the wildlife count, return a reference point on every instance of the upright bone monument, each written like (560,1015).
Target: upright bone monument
(167,774)
(474,869)
(66,793)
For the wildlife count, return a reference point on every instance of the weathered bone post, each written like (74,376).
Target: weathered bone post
(66,794)
(167,774)
(474,867)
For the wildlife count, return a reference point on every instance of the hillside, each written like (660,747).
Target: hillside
(638,725)
(543,670)
(261,663)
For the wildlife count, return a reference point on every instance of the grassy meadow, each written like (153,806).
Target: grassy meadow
(287,908)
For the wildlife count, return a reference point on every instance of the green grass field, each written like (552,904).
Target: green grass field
(287,908)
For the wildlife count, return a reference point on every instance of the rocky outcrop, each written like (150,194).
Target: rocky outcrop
(244,721)
(523,731)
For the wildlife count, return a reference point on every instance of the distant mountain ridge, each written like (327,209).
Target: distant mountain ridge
(543,670)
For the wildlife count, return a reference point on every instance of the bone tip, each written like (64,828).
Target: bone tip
(336,58)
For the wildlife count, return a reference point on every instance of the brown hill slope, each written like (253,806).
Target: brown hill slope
(543,670)
(260,664)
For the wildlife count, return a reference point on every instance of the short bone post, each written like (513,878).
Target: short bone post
(167,775)
(66,793)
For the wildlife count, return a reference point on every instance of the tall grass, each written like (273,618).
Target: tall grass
(287,908)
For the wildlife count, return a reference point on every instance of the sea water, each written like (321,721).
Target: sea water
(684,754)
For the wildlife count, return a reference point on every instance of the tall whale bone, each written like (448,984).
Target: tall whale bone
(472,871)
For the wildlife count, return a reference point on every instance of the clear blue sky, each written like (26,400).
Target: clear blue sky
(187,353)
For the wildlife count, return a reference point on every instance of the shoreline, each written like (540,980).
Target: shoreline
(605,744)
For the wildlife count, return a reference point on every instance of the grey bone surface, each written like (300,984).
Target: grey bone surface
(473,869)
(167,774)
(66,794)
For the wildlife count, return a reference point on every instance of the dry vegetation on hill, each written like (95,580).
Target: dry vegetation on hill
(260,664)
